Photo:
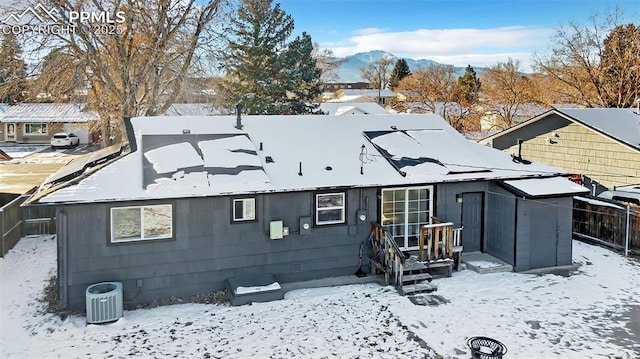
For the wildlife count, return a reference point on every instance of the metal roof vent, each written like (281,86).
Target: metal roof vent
(186,131)
(238,116)
(104,302)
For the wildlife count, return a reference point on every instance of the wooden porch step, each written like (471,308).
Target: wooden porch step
(417,277)
(423,287)
(412,265)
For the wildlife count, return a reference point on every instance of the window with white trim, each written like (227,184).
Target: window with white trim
(330,208)
(244,209)
(35,129)
(141,223)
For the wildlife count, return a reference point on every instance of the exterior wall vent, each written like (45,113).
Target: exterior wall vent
(104,302)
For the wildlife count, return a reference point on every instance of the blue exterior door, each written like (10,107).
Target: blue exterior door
(472,214)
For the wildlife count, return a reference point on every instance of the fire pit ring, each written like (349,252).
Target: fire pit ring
(486,348)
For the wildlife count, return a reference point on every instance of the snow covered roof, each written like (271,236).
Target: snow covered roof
(209,156)
(597,202)
(368,92)
(353,108)
(192,109)
(45,113)
(545,187)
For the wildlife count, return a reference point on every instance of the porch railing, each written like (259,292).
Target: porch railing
(439,241)
(386,255)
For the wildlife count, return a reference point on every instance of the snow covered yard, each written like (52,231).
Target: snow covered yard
(592,313)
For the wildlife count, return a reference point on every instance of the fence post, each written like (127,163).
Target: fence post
(627,232)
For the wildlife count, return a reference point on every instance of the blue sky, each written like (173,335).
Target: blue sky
(457,32)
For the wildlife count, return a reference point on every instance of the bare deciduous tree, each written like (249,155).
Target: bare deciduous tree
(327,62)
(377,74)
(596,64)
(136,66)
(436,87)
(506,89)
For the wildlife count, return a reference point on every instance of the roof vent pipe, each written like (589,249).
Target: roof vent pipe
(300,170)
(238,116)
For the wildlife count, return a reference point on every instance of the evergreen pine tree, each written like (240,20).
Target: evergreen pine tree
(13,71)
(400,71)
(468,87)
(301,74)
(264,72)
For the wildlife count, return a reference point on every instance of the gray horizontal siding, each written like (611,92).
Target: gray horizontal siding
(447,208)
(208,248)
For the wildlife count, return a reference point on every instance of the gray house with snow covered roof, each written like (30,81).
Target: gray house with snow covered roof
(198,201)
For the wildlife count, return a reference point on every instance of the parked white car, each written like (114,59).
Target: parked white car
(62,139)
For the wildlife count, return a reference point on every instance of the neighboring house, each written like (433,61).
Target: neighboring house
(602,144)
(364,95)
(37,122)
(492,121)
(354,108)
(409,96)
(335,86)
(200,200)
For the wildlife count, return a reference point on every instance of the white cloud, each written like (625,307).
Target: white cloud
(480,47)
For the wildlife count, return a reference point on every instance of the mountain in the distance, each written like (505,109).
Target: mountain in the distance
(349,68)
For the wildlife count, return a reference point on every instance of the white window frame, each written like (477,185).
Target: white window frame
(320,209)
(142,234)
(29,133)
(429,189)
(246,215)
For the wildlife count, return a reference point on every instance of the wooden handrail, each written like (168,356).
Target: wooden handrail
(440,238)
(392,258)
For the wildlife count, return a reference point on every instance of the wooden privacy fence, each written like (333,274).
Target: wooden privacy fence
(17,222)
(613,225)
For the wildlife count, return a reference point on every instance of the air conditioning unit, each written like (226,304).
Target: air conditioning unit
(104,302)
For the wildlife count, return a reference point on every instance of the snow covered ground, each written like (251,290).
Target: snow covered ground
(594,313)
